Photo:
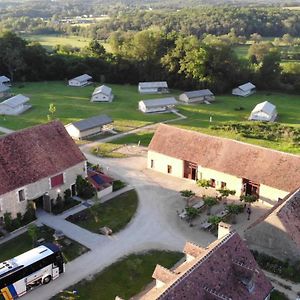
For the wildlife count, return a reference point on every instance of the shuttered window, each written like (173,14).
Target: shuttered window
(57,180)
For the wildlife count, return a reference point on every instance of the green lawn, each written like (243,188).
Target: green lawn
(23,243)
(276,295)
(73,104)
(125,278)
(115,213)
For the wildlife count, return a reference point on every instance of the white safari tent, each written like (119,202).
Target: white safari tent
(156,87)
(244,90)
(197,96)
(157,105)
(4,91)
(14,105)
(81,80)
(89,127)
(4,80)
(102,93)
(264,111)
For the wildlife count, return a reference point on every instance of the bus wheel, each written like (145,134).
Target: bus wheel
(47,279)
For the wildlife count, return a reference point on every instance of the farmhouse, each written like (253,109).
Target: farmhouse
(15,105)
(245,168)
(157,105)
(102,93)
(244,90)
(4,80)
(226,269)
(156,87)
(277,232)
(264,111)
(37,164)
(81,80)
(200,96)
(89,127)
(4,91)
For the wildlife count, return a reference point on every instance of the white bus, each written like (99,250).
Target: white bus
(32,268)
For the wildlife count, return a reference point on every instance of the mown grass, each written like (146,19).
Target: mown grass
(125,278)
(115,213)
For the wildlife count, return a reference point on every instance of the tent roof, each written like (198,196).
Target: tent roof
(159,102)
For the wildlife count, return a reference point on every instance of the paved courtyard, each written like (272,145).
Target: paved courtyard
(155,225)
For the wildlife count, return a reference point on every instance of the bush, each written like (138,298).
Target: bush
(67,194)
(187,193)
(118,184)
(84,189)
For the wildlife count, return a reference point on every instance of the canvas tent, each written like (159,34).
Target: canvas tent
(157,87)
(81,80)
(4,80)
(89,127)
(14,105)
(264,111)
(197,96)
(244,90)
(4,91)
(157,105)
(102,93)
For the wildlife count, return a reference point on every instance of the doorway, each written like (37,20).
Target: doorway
(250,187)
(190,170)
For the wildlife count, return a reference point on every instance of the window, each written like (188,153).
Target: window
(169,169)
(213,183)
(152,163)
(57,180)
(223,185)
(21,194)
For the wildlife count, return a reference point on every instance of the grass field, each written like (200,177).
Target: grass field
(74,104)
(125,278)
(49,41)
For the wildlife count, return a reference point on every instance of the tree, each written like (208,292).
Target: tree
(214,220)
(192,213)
(96,49)
(52,110)
(210,202)
(226,192)
(249,198)
(258,51)
(33,232)
(234,210)
(187,194)
(203,183)
(84,189)
(256,37)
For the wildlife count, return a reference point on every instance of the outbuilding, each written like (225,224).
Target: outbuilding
(81,80)
(156,87)
(244,90)
(102,93)
(264,111)
(4,91)
(200,96)
(157,105)
(15,105)
(4,80)
(89,127)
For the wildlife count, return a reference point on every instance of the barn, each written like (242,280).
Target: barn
(15,105)
(157,105)
(102,93)
(89,127)
(264,111)
(81,80)
(200,96)
(156,87)
(244,90)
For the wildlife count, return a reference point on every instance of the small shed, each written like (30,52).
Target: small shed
(4,91)
(200,96)
(102,183)
(81,80)
(244,90)
(89,127)
(15,105)
(157,105)
(156,87)
(264,111)
(5,80)
(102,93)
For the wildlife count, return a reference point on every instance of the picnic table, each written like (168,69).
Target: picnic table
(199,204)
(222,213)
(205,225)
(183,214)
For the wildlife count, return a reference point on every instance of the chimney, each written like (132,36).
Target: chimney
(223,229)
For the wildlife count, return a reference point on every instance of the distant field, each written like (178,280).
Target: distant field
(50,41)
(74,104)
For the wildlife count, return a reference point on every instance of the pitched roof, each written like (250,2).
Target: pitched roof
(226,269)
(29,155)
(4,79)
(262,165)
(15,101)
(103,89)
(159,102)
(198,93)
(154,84)
(266,107)
(92,122)
(247,87)
(83,78)
(3,88)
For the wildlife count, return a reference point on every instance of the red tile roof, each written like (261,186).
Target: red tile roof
(226,270)
(265,166)
(29,155)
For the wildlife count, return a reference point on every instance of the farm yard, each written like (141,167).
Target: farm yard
(73,104)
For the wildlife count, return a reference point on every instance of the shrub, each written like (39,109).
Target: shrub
(118,184)
(84,189)
(187,193)
(67,194)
